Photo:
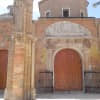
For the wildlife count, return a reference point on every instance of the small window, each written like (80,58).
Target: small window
(65,12)
(82,14)
(48,14)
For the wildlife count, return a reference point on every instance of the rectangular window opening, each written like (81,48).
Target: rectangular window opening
(82,14)
(48,14)
(66,13)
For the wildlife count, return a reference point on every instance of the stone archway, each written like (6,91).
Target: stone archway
(68,71)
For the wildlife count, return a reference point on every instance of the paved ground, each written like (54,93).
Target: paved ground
(1,94)
(69,96)
(63,96)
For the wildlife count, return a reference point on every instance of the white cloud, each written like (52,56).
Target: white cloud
(5,3)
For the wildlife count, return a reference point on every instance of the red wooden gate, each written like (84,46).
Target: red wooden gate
(68,71)
(3,68)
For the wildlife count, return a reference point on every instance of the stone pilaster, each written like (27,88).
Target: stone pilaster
(29,88)
(16,70)
(20,84)
(8,90)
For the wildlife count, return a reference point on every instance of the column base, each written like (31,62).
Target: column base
(33,94)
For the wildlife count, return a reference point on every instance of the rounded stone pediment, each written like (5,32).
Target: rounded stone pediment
(67,29)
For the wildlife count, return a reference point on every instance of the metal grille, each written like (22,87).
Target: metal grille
(92,82)
(46,81)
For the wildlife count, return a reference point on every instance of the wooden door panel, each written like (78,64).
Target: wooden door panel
(68,70)
(3,68)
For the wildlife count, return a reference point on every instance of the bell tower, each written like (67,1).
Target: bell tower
(20,76)
(67,8)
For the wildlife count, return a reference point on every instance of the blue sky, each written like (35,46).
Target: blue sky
(92,12)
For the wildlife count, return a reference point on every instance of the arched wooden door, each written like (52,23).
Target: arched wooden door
(67,71)
(3,68)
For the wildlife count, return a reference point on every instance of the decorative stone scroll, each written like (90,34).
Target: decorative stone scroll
(67,29)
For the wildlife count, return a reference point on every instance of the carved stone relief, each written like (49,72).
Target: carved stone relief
(67,29)
(87,43)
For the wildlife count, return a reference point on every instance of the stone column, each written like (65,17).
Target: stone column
(29,88)
(33,91)
(19,79)
(8,89)
(50,59)
(20,84)
(16,70)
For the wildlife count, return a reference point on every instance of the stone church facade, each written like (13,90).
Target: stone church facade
(58,52)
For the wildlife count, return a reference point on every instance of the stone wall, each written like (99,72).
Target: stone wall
(6,27)
(56,11)
(48,45)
